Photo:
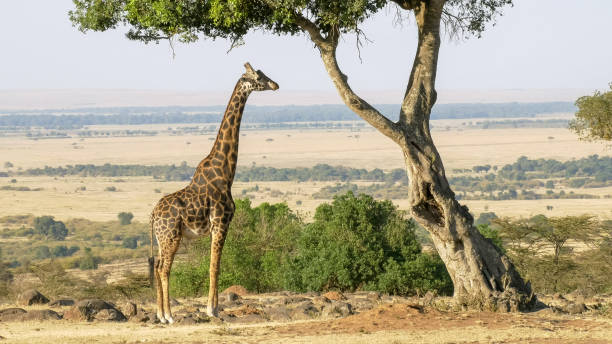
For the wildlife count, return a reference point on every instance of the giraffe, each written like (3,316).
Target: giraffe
(205,206)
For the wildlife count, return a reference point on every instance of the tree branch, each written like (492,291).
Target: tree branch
(420,93)
(327,47)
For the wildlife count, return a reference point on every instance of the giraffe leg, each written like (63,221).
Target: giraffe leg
(160,295)
(216,246)
(165,264)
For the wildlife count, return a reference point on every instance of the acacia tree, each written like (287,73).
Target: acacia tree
(476,267)
(593,119)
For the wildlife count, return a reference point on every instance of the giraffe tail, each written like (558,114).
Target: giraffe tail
(151,258)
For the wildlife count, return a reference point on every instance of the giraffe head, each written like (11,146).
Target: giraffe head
(257,80)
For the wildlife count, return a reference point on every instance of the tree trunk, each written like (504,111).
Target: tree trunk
(482,276)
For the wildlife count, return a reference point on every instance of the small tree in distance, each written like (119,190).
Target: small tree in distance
(49,228)
(540,245)
(125,218)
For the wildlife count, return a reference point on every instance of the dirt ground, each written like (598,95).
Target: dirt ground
(392,323)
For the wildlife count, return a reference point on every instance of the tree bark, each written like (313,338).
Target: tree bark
(482,276)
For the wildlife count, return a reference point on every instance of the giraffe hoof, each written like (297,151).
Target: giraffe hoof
(170,320)
(161,318)
(212,313)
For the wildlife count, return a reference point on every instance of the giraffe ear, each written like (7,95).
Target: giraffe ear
(249,68)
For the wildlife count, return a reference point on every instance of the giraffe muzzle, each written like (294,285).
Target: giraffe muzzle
(273,86)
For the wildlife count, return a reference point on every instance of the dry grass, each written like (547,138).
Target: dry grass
(459,149)
(137,195)
(289,148)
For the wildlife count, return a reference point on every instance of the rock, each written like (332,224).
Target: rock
(362,305)
(62,302)
(293,299)
(335,296)
(174,302)
(140,317)
(337,309)
(189,309)
(74,314)
(109,315)
(41,314)
(192,318)
(236,289)
(278,313)
(575,308)
(31,297)
(12,314)
(88,310)
(129,309)
(303,311)
(185,320)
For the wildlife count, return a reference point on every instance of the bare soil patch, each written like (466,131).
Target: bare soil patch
(389,320)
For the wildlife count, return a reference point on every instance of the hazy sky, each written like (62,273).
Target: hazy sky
(536,44)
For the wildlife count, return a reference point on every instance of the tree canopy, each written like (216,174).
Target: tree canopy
(188,20)
(51,229)
(593,119)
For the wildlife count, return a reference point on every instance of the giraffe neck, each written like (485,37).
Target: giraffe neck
(225,148)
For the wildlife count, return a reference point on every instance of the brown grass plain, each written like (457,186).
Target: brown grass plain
(287,148)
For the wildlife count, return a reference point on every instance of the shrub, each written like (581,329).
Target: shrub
(354,243)
(493,235)
(539,248)
(63,251)
(130,242)
(51,229)
(88,261)
(42,252)
(258,244)
(358,242)
(125,218)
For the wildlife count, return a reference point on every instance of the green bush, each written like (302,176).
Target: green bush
(360,243)
(353,243)
(492,234)
(426,272)
(258,244)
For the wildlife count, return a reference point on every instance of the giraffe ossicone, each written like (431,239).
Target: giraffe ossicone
(205,206)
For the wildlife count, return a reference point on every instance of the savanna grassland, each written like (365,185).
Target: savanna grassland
(460,149)
(93,254)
